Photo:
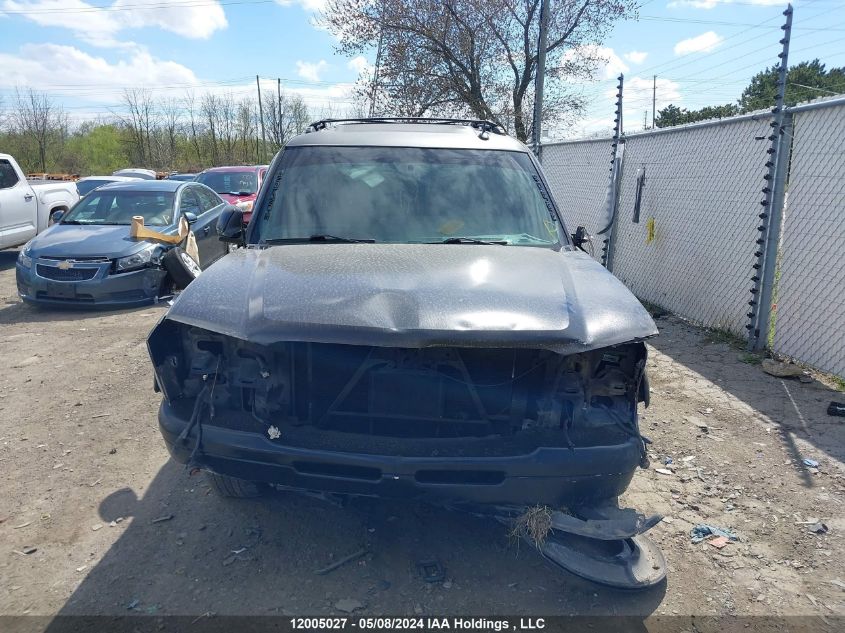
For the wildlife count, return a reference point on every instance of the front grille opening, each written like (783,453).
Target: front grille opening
(338,471)
(471,477)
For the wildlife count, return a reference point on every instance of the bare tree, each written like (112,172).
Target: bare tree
(193,124)
(474,57)
(36,116)
(140,120)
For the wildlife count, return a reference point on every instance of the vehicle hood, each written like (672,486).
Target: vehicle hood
(415,295)
(76,240)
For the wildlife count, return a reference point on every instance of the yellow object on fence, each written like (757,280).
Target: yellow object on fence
(649,231)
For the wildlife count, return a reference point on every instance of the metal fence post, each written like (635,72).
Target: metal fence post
(766,254)
(612,198)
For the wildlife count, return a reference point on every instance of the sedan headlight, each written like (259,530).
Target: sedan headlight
(245,206)
(24,258)
(135,261)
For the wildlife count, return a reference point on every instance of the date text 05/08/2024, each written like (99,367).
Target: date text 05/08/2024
(417,623)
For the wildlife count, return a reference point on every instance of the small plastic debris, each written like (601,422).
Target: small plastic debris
(341,562)
(26,550)
(818,528)
(81,569)
(116,522)
(97,526)
(162,519)
(663,471)
(22,525)
(274,433)
(812,463)
(702,531)
(719,542)
(668,460)
(706,411)
(347,605)
(836,408)
(133,604)
(431,570)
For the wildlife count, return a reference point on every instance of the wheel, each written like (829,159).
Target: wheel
(227,486)
(180,266)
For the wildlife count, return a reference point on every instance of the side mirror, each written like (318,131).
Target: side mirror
(580,237)
(190,218)
(230,225)
(57,216)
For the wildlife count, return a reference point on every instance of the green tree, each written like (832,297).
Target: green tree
(804,81)
(96,149)
(673,115)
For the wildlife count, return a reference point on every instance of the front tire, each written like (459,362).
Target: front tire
(233,487)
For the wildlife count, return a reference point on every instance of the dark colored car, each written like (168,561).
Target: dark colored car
(183,177)
(87,258)
(236,185)
(409,318)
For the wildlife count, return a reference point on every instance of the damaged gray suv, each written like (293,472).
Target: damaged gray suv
(408,317)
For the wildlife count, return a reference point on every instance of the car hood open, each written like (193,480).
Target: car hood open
(415,295)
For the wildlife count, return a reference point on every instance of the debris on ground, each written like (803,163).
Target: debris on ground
(22,525)
(668,461)
(535,524)
(26,550)
(701,424)
(812,463)
(664,471)
(347,605)
(133,604)
(701,531)
(431,571)
(781,370)
(274,433)
(96,526)
(818,528)
(838,583)
(719,542)
(162,519)
(836,408)
(341,562)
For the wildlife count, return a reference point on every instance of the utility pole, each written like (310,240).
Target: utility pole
(261,118)
(374,87)
(541,74)
(653,98)
(645,120)
(279,111)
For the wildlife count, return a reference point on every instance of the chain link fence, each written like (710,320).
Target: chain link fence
(685,228)
(809,316)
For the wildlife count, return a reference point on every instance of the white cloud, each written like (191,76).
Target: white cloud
(100,28)
(313,6)
(635,57)
(609,64)
(703,43)
(42,66)
(311,70)
(359,64)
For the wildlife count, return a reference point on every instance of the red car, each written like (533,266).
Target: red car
(236,185)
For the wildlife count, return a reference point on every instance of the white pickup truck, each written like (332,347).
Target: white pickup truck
(26,206)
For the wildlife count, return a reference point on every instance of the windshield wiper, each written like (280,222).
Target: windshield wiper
(470,240)
(317,238)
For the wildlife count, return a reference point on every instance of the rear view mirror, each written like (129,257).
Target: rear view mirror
(230,225)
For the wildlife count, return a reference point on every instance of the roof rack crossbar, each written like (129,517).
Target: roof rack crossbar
(480,124)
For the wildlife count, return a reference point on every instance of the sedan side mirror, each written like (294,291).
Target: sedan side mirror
(580,237)
(230,225)
(57,216)
(190,218)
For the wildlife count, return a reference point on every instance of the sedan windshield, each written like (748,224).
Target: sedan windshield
(107,206)
(407,195)
(232,182)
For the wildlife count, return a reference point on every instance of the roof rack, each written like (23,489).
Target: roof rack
(479,124)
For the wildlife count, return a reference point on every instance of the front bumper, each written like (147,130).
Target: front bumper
(102,290)
(550,476)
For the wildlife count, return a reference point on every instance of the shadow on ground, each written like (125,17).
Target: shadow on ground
(185,551)
(797,410)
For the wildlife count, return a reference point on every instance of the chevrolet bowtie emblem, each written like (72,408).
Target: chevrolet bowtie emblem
(64,265)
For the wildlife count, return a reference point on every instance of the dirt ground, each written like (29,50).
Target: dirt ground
(85,475)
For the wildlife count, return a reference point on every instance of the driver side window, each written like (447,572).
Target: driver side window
(189,202)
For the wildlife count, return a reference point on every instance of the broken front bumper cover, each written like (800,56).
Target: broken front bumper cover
(552,476)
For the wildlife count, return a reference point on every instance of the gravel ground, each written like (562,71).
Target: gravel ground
(86,475)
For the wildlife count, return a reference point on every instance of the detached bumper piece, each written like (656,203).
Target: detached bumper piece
(610,547)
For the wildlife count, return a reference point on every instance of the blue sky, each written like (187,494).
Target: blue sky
(702,51)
